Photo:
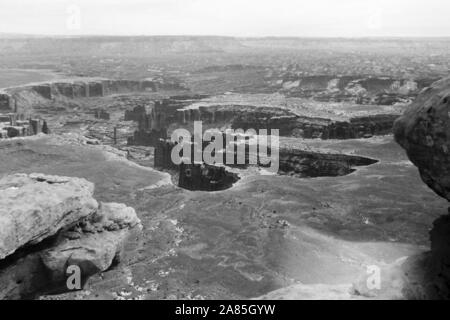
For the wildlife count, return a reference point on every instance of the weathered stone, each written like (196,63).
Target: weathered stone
(96,250)
(93,246)
(34,207)
(424,132)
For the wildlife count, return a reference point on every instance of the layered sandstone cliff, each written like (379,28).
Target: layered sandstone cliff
(289,123)
(359,89)
(22,99)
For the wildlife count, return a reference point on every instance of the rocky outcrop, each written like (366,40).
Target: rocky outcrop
(360,89)
(6,102)
(93,245)
(14,125)
(285,123)
(154,119)
(353,128)
(35,207)
(308,164)
(239,116)
(151,124)
(424,132)
(288,123)
(22,99)
(51,223)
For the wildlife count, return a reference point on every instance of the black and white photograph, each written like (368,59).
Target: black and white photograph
(224,156)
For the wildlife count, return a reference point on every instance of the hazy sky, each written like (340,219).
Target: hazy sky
(346,18)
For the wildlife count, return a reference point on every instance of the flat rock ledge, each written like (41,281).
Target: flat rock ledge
(35,207)
(51,228)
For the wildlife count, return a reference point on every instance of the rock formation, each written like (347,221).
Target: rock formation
(307,164)
(424,132)
(288,123)
(154,119)
(22,99)
(49,223)
(35,207)
(360,89)
(151,124)
(5,102)
(14,125)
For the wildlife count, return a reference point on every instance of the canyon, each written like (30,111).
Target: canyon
(167,202)
(95,188)
(176,238)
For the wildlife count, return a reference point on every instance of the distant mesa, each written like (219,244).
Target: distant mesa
(21,99)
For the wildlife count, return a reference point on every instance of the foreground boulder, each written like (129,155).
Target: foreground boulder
(75,232)
(424,132)
(93,245)
(35,207)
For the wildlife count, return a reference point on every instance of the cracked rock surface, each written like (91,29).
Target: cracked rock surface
(34,207)
(52,223)
(424,132)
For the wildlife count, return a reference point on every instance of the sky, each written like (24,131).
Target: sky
(245,18)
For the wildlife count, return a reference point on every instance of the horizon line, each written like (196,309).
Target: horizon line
(37,35)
